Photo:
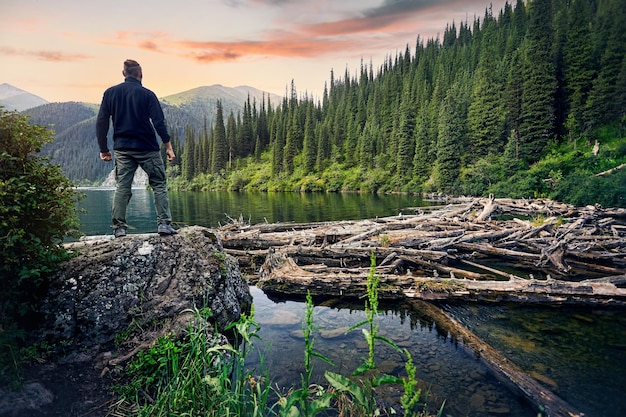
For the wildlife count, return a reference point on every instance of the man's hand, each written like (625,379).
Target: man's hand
(169,151)
(106,156)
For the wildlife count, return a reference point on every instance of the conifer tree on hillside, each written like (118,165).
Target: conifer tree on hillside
(219,157)
(450,143)
(539,85)
(232,137)
(278,141)
(188,156)
(293,139)
(322,133)
(579,68)
(245,134)
(262,130)
(310,142)
(611,35)
(204,151)
(486,115)
(405,135)
(423,159)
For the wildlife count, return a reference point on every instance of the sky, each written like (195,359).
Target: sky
(72,50)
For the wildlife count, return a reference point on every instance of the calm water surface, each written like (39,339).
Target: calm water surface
(212,209)
(580,354)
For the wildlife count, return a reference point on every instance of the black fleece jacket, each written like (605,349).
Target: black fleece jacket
(136,114)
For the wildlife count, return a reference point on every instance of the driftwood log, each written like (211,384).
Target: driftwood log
(472,249)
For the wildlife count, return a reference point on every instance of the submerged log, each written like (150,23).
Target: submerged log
(505,370)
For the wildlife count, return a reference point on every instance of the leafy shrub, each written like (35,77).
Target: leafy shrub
(37,210)
(334,178)
(311,183)
(477,178)
(580,190)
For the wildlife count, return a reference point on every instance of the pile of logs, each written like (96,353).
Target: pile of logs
(504,249)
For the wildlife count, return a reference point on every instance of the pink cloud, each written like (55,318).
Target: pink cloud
(284,47)
(44,55)
(393,20)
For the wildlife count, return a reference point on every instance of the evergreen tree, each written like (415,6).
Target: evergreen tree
(262,129)
(188,157)
(232,139)
(578,56)
(204,157)
(245,137)
(220,147)
(601,107)
(539,83)
(322,133)
(405,134)
(310,141)
(486,115)
(292,140)
(513,96)
(278,143)
(449,144)
(422,160)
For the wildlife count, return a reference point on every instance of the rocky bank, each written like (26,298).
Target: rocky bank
(114,298)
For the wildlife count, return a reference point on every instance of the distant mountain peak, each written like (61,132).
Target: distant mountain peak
(236,94)
(13,98)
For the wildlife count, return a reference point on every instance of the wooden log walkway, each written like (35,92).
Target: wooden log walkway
(471,249)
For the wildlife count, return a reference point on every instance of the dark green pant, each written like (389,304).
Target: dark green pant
(126,163)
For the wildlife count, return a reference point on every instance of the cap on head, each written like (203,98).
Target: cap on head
(132,68)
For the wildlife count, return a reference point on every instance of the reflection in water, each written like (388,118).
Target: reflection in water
(96,216)
(212,209)
(451,372)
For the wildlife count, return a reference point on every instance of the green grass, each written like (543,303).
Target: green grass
(203,376)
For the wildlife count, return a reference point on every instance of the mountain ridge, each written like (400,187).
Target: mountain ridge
(10,92)
(241,91)
(14,98)
(75,147)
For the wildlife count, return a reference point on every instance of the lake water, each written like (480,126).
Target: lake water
(579,353)
(212,209)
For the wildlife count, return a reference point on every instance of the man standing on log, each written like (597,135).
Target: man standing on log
(136,114)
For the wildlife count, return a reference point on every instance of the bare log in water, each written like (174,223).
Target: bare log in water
(505,370)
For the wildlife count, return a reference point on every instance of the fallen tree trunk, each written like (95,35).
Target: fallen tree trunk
(505,370)
(281,274)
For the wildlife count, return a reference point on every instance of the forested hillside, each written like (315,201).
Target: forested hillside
(525,102)
(74,124)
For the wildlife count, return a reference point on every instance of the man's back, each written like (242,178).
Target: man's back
(132,109)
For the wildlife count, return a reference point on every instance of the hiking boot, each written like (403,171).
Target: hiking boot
(120,232)
(166,230)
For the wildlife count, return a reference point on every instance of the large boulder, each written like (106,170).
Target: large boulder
(130,291)
(145,280)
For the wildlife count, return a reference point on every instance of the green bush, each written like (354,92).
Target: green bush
(580,190)
(37,210)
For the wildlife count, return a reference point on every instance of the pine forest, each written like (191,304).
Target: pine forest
(526,102)
(472,113)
